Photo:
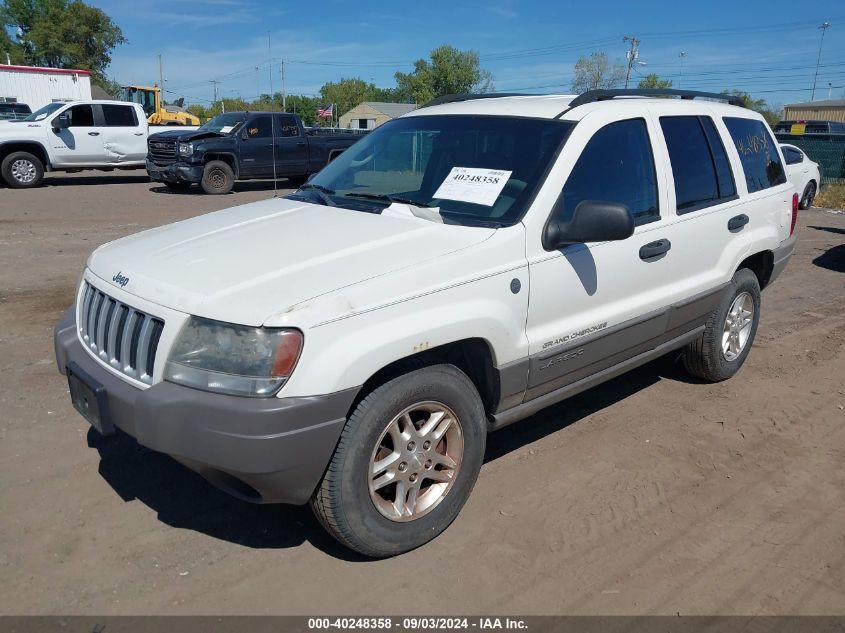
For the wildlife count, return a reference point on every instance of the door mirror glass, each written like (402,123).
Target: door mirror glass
(61,122)
(591,221)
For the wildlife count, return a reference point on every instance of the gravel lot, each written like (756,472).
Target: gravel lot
(651,494)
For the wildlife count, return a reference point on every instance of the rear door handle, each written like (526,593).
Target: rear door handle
(737,223)
(93,133)
(653,251)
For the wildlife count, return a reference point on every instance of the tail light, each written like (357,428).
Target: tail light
(794,213)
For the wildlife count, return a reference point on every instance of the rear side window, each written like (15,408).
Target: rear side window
(792,156)
(287,126)
(617,166)
(119,116)
(699,164)
(757,153)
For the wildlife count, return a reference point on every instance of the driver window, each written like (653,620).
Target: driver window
(259,128)
(616,166)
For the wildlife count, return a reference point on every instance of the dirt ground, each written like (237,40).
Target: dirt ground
(651,494)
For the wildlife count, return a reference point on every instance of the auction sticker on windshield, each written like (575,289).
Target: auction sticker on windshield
(472,184)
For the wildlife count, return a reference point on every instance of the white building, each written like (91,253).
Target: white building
(37,87)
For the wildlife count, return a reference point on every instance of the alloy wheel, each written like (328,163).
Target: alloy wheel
(738,325)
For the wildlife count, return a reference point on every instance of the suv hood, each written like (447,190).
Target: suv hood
(248,263)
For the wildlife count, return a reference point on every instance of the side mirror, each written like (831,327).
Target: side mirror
(61,122)
(244,135)
(591,221)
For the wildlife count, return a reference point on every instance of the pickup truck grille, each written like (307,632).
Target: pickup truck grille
(119,335)
(162,151)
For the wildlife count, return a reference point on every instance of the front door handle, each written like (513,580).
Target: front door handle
(737,223)
(653,251)
(93,133)
(301,144)
(139,134)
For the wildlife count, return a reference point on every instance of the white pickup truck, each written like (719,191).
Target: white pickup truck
(71,137)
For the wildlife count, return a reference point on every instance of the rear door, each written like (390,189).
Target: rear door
(82,142)
(124,135)
(291,147)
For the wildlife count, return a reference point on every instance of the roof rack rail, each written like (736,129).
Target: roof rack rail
(454,98)
(591,96)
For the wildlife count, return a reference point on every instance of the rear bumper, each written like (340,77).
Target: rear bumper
(262,450)
(781,257)
(175,172)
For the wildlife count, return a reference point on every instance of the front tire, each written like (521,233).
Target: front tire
(809,195)
(217,178)
(22,170)
(729,332)
(405,464)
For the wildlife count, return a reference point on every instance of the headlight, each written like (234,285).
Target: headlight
(233,359)
(186,149)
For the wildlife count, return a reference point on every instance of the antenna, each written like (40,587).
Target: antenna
(272,116)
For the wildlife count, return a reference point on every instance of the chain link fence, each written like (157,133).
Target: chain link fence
(828,150)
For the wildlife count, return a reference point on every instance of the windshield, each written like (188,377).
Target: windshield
(224,123)
(43,113)
(475,170)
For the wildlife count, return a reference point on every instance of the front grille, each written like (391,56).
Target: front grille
(119,335)
(162,151)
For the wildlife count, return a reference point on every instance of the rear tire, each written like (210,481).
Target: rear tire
(809,195)
(217,178)
(729,332)
(22,170)
(405,464)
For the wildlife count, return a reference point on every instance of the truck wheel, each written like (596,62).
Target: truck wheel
(729,332)
(178,186)
(22,170)
(405,464)
(217,177)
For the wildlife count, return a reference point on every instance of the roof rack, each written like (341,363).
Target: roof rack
(471,97)
(591,96)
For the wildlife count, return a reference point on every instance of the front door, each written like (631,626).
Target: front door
(257,148)
(594,305)
(82,142)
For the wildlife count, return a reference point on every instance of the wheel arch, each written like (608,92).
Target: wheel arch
(761,264)
(226,157)
(33,147)
(473,356)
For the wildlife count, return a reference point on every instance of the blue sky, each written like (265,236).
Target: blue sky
(766,48)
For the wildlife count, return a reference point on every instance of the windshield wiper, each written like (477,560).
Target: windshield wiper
(322,192)
(383,197)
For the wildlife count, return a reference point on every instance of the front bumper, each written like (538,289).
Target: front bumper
(175,172)
(262,450)
(782,255)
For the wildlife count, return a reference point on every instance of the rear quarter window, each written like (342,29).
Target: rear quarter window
(757,153)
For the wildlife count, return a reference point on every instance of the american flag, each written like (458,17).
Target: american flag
(328,111)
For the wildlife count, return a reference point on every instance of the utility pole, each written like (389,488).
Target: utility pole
(631,55)
(284,100)
(161,77)
(682,55)
(824,26)
(270,60)
(214,82)
(829,89)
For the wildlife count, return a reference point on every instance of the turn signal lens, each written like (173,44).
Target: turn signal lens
(794,213)
(287,353)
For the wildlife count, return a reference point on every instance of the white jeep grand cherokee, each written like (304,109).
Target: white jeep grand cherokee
(456,270)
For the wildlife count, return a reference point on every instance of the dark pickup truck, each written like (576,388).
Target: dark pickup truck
(240,146)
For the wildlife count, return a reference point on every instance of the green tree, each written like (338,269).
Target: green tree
(653,81)
(449,71)
(595,72)
(771,114)
(62,34)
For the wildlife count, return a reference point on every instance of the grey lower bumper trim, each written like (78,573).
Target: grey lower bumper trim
(278,447)
(781,256)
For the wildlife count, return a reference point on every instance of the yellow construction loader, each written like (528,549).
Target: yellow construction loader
(157,112)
